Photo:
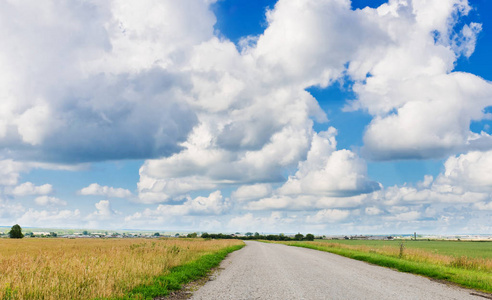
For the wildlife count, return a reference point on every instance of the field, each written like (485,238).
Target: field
(466,263)
(472,249)
(52,268)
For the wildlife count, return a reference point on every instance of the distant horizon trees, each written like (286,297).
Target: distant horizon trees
(298,237)
(257,236)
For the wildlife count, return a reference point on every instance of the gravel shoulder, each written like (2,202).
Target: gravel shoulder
(273,271)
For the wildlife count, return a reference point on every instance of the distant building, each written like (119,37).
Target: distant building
(41,233)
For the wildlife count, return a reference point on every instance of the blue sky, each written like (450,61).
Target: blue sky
(322,116)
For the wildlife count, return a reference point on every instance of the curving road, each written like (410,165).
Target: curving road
(273,271)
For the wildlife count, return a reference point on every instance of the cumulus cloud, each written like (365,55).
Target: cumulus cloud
(328,216)
(49,201)
(411,81)
(470,170)
(214,204)
(483,205)
(116,83)
(58,218)
(327,178)
(10,172)
(329,172)
(28,188)
(10,211)
(401,79)
(372,211)
(150,80)
(107,191)
(274,222)
(406,216)
(306,42)
(204,164)
(251,192)
(103,211)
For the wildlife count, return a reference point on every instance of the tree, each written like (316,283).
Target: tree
(299,236)
(85,232)
(192,235)
(205,235)
(53,234)
(309,237)
(157,234)
(248,234)
(257,234)
(16,232)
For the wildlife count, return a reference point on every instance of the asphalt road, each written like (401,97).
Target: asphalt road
(273,271)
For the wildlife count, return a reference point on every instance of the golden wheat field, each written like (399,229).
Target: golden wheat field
(54,268)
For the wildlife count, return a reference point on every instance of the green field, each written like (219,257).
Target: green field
(466,263)
(475,249)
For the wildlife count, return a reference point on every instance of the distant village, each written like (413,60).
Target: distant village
(137,234)
(72,234)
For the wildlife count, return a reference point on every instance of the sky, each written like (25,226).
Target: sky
(320,116)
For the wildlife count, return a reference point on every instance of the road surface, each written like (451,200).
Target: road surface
(273,271)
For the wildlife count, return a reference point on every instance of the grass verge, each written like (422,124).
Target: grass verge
(177,276)
(475,279)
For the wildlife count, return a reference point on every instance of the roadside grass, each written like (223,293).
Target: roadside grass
(177,276)
(103,268)
(466,271)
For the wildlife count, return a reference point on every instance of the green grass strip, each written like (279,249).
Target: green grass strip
(177,276)
(467,278)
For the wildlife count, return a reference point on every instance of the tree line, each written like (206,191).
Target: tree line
(257,236)
(16,233)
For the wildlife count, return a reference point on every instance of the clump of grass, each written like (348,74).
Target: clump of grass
(92,268)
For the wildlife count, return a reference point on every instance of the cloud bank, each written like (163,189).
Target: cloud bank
(226,131)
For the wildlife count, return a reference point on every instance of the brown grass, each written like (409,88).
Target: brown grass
(87,268)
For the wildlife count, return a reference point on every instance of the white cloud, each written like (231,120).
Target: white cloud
(45,218)
(275,222)
(49,201)
(411,84)
(203,164)
(329,172)
(10,211)
(308,42)
(251,192)
(214,204)
(28,188)
(406,216)
(373,211)
(471,170)
(110,192)
(460,97)
(205,116)
(305,202)
(483,205)
(118,79)
(103,211)
(328,216)
(10,171)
